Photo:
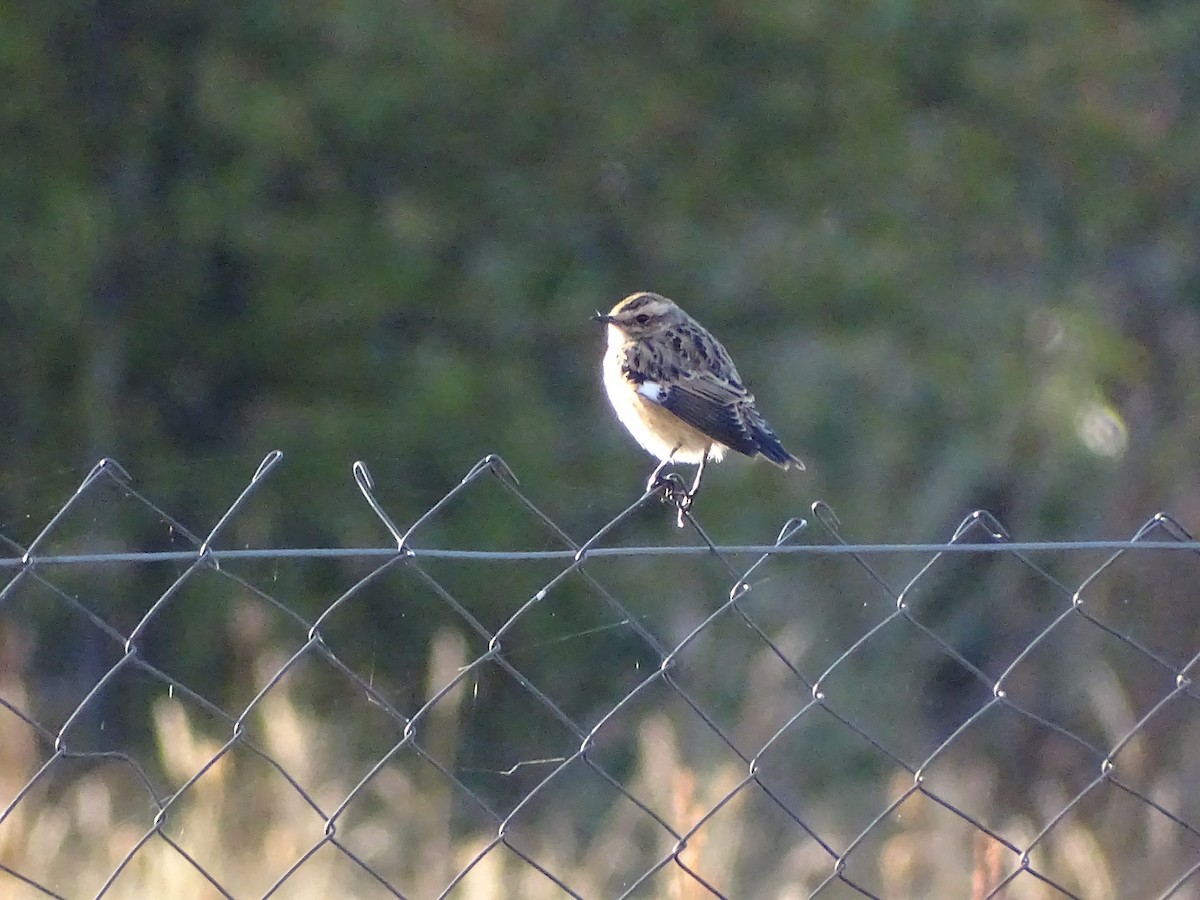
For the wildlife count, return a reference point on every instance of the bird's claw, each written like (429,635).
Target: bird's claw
(674,491)
(668,482)
(683,503)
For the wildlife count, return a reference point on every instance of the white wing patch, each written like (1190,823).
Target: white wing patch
(652,391)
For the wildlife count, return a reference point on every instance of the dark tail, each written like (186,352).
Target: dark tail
(770,447)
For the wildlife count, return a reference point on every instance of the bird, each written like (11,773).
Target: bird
(676,390)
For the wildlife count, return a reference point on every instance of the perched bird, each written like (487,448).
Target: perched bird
(674,387)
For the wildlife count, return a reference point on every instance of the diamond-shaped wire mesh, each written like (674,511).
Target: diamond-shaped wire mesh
(586,716)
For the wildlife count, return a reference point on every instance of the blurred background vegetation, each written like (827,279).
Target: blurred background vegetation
(955,249)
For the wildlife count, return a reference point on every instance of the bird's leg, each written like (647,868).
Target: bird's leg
(699,474)
(652,482)
(685,502)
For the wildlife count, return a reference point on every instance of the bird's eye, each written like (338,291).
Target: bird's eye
(643,319)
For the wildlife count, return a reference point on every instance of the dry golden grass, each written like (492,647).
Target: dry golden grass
(246,826)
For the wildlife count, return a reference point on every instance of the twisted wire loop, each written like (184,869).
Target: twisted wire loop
(591,715)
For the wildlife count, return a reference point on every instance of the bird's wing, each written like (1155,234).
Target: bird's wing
(711,405)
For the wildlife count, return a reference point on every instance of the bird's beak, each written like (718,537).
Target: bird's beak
(601,317)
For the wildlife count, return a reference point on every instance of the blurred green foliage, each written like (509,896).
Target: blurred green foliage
(952,246)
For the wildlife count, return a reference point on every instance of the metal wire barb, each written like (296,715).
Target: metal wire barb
(592,715)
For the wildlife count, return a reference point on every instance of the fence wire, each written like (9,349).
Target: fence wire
(592,717)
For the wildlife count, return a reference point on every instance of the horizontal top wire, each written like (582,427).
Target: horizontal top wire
(188,556)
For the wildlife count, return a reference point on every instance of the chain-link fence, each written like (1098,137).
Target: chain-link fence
(525,713)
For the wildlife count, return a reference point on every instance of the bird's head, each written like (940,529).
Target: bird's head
(642,315)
